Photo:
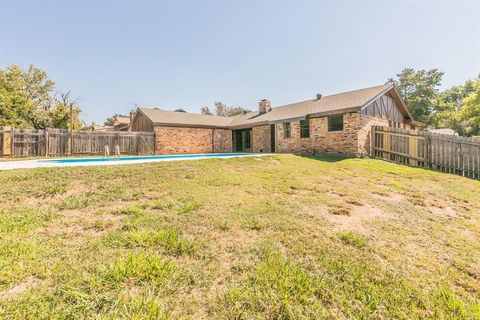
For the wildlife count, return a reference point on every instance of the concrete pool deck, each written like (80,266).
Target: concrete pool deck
(100,161)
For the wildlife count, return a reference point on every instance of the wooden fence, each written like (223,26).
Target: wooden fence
(59,142)
(447,153)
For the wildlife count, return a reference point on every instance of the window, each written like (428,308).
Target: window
(335,123)
(287,130)
(305,128)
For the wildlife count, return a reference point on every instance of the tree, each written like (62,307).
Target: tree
(446,113)
(470,113)
(223,111)
(60,115)
(206,110)
(27,99)
(419,91)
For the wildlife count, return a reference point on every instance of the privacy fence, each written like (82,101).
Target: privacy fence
(16,142)
(447,153)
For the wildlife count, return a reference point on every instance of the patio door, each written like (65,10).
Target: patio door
(242,140)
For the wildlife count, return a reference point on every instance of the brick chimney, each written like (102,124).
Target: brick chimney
(264,106)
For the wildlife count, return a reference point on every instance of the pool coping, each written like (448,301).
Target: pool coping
(83,162)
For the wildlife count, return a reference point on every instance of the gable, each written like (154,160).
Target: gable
(385,107)
(141,122)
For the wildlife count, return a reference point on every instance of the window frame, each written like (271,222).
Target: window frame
(332,127)
(287,130)
(305,129)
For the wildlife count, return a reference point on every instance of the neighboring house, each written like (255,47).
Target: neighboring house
(446,131)
(339,123)
(96,127)
(121,123)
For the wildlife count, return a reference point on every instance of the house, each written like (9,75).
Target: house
(120,123)
(445,131)
(338,123)
(98,128)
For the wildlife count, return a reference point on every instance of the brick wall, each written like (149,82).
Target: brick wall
(261,139)
(321,140)
(294,143)
(345,141)
(354,139)
(222,140)
(180,140)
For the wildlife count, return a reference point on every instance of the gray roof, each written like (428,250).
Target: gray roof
(447,131)
(336,103)
(185,119)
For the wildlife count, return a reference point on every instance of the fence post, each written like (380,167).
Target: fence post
(154,141)
(372,141)
(45,140)
(12,142)
(7,141)
(428,158)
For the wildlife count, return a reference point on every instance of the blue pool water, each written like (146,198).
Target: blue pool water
(134,158)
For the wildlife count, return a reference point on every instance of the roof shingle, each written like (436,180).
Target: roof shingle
(326,105)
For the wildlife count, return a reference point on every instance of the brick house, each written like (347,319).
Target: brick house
(338,123)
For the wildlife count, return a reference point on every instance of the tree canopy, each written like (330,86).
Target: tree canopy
(418,90)
(457,108)
(222,110)
(28,100)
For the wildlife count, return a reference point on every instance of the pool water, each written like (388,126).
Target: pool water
(136,158)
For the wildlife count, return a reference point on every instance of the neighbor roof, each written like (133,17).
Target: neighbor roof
(336,103)
(122,120)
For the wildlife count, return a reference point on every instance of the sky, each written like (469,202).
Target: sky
(113,55)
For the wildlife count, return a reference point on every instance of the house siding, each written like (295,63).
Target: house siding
(141,123)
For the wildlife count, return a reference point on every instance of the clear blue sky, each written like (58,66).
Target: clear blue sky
(188,54)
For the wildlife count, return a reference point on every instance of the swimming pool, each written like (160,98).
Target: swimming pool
(102,161)
(138,158)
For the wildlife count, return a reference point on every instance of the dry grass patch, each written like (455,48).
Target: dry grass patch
(282,237)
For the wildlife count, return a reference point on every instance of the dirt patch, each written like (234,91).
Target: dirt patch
(80,226)
(76,188)
(448,212)
(25,285)
(359,220)
(390,197)
(73,233)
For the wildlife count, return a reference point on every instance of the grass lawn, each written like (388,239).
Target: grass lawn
(277,237)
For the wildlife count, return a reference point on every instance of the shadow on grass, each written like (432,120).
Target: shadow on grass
(325,157)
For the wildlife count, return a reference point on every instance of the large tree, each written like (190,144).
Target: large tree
(27,99)
(222,110)
(447,109)
(419,91)
(470,113)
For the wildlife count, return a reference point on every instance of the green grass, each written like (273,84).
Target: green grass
(277,237)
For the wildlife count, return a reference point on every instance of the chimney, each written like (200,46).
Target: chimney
(264,106)
(132,114)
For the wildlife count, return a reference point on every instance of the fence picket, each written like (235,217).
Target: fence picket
(56,142)
(458,155)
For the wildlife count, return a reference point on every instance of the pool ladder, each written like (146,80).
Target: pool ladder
(107,151)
